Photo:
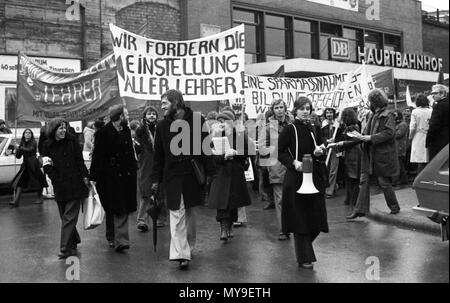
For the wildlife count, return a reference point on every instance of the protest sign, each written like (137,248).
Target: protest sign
(336,91)
(205,69)
(85,95)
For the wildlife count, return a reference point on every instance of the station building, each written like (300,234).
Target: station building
(307,37)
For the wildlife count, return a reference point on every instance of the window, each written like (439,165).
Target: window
(355,39)
(305,39)
(328,30)
(392,43)
(373,40)
(252,23)
(276,37)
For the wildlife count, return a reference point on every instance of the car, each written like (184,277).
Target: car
(431,187)
(10,165)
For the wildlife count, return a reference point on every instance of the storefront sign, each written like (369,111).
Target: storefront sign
(8,66)
(400,60)
(205,69)
(351,5)
(339,49)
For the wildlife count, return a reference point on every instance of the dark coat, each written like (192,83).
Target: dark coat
(29,175)
(229,187)
(352,148)
(437,136)
(114,169)
(379,156)
(175,172)
(401,138)
(303,214)
(68,169)
(144,152)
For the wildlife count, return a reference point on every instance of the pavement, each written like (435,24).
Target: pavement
(406,218)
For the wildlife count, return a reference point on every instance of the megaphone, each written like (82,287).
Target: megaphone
(307,186)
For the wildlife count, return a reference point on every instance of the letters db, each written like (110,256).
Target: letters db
(339,49)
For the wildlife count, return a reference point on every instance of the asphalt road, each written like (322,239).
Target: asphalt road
(351,252)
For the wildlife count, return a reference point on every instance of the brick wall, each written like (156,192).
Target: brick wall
(435,42)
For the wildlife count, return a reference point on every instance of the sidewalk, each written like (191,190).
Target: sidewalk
(406,218)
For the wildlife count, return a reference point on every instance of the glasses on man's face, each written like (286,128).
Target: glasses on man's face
(435,93)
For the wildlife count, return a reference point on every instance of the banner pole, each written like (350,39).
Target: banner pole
(15,118)
(395,91)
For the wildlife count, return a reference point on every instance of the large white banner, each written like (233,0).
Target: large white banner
(337,91)
(206,69)
(351,5)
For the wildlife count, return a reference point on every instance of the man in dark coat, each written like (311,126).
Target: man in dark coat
(437,136)
(63,163)
(379,155)
(178,141)
(113,169)
(145,135)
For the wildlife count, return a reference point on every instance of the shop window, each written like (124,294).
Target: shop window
(392,43)
(328,30)
(10,111)
(305,39)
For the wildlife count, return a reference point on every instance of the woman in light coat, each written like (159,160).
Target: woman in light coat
(418,129)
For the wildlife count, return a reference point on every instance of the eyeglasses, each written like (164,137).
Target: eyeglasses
(435,93)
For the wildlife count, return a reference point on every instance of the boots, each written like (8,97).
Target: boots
(223,230)
(230,233)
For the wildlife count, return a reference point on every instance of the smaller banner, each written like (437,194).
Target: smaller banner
(85,95)
(205,69)
(336,91)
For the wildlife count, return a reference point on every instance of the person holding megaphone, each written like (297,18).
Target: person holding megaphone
(303,211)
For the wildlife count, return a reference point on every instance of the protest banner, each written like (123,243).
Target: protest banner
(85,95)
(325,91)
(205,69)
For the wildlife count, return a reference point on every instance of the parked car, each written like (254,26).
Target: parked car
(431,187)
(10,165)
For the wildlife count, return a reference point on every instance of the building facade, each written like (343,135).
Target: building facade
(308,37)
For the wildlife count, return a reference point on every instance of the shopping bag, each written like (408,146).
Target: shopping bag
(249,175)
(93,211)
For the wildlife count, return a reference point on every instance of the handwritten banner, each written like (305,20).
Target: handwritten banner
(336,91)
(206,69)
(85,95)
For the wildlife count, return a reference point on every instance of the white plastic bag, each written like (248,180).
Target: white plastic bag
(93,210)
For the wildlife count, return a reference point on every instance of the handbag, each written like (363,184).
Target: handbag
(93,212)
(199,172)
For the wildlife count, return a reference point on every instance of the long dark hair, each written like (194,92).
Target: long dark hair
(22,141)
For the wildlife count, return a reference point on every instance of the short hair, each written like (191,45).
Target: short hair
(212,115)
(115,111)
(349,116)
(329,109)
(441,89)
(175,97)
(300,102)
(276,102)
(378,98)
(422,101)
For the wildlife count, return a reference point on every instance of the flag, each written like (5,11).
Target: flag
(409,101)
(385,81)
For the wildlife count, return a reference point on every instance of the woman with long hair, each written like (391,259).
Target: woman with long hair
(30,175)
(304,215)
(418,129)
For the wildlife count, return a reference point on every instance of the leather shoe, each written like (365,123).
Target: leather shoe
(66,254)
(142,227)
(122,247)
(283,237)
(269,205)
(111,244)
(184,264)
(354,216)
(395,211)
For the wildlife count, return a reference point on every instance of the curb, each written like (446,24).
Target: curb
(430,228)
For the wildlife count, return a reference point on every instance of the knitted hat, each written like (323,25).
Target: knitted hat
(226,115)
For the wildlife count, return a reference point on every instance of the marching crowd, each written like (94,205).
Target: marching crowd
(139,164)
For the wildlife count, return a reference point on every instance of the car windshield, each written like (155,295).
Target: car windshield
(3,141)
